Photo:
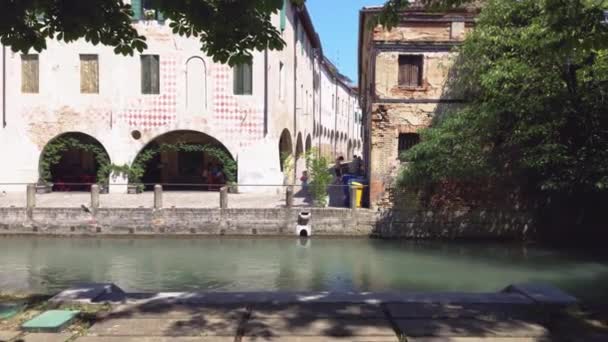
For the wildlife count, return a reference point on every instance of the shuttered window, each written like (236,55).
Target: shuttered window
(137,10)
(150,80)
(283,16)
(243,79)
(407,141)
(89,74)
(410,70)
(29,74)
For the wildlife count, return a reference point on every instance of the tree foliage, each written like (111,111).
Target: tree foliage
(535,73)
(228,30)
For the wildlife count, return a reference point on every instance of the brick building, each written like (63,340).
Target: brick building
(170,93)
(404,83)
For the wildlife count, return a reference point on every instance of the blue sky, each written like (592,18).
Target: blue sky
(337,22)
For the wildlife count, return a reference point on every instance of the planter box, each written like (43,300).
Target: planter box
(133,189)
(44,188)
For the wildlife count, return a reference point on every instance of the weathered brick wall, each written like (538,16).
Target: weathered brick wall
(393,109)
(324,221)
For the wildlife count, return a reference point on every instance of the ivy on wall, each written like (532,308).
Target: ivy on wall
(53,152)
(137,168)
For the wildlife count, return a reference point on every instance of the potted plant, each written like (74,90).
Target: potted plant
(43,186)
(149,14)
(318,168)
(233,187)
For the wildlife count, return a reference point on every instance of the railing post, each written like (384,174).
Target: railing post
(158,196)
(224,197)
(94,197)
(30,198)
(353,197)
(289,197)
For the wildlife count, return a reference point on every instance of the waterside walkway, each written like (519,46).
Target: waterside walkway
(516,314)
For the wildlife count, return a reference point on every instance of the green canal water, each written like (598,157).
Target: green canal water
(46,265)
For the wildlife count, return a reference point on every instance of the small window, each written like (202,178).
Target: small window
(243,79)
(281,81)
(89,74)
(407,141)
(29,74)
(410,70)
(150,80)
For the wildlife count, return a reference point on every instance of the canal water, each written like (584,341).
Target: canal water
(46,265)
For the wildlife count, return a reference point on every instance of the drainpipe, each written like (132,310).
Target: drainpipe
(337,105)
(320,103)
(295,76)
(3,86)
(265,92)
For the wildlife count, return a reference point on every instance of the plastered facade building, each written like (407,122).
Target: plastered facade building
(171,93)
(404,83)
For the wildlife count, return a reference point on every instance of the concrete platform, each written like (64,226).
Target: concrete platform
(469,328)
(46,337)
(154,339)
(196,326)
(320,339)
(318,310)
(465,310)
(332,327)
(8,335)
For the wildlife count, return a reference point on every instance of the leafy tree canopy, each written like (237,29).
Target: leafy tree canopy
(227,30)
(535,75)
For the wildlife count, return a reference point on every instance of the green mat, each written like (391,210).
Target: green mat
(8,310)
(50,321)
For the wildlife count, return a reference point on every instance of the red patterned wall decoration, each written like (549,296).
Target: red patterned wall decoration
(153,111)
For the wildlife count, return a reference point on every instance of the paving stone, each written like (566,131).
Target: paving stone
(194,326)
(176,311)
(46,337)
(155,339)
(486,311)
(268,327)
(320,339)
(477,339)
(354,311)
(468,328)
(8,335)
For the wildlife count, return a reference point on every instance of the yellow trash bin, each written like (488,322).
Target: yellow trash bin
(358,193)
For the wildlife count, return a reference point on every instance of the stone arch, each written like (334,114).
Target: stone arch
(308,145)
(196,85)
(184,169)
(285,147)
(76,165)
(299,146)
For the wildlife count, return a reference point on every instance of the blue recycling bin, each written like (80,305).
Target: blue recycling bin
(350,181)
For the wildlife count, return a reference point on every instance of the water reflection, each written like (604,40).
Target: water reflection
(224,264)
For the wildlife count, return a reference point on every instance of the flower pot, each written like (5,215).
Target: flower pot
(104,189)
(134,189)
(233,188)
(44,188)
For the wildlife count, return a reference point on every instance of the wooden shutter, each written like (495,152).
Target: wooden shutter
(243,79)
(410,70)
(89,74)
(150,79)
(137,10)
(155,74)
(29,74)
